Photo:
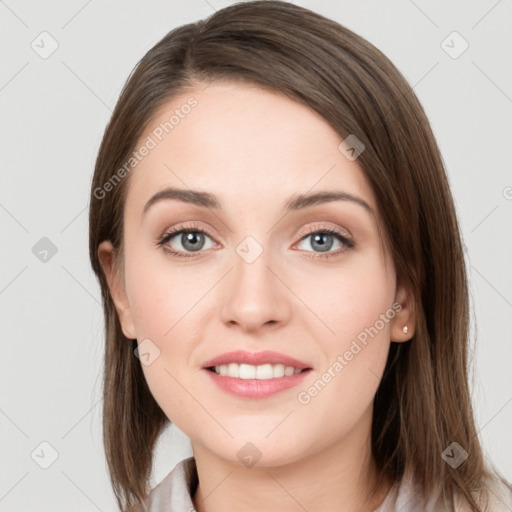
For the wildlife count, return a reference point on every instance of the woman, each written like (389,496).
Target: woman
(282,278)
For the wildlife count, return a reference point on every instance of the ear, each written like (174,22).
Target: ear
(107,255)
(406,316)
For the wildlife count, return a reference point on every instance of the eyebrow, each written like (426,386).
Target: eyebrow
(296,202)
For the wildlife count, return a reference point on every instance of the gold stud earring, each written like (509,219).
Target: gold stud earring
(405,329)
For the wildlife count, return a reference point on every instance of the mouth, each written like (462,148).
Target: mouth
(255,375)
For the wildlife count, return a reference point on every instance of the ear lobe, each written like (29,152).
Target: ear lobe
(406,317)
(106,256)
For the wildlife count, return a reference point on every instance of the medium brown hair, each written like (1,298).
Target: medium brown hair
(423,403)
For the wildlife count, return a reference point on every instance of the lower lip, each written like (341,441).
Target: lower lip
(256,388)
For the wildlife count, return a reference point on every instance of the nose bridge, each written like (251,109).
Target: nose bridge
(252,277)
(252,262)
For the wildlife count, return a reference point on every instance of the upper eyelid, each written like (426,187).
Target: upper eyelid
(309,231)
(171,233)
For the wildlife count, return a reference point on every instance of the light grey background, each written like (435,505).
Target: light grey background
(54,111)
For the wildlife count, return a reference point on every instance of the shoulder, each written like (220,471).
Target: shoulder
(498,498)
(174,493)
(406,496)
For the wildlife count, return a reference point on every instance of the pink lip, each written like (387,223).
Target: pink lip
(255,359)
(255,388)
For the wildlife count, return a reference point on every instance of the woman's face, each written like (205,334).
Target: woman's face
(313,282)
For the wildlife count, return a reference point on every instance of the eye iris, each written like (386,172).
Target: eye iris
(319,238)
(190,241)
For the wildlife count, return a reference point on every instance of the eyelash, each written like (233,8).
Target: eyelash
(349,244)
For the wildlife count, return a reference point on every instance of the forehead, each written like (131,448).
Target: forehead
(243,144)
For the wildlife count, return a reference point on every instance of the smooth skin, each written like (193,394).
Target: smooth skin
(254,149)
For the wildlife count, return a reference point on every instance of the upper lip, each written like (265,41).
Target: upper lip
(255,358)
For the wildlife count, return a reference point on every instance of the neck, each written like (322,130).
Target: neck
(339,477)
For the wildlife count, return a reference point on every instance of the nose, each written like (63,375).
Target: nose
(255,295)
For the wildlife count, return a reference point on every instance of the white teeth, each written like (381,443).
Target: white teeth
(289,370)
(249,371)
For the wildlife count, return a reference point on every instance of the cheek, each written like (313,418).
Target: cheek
(159,296)
(351,298)
(356,304)
(164,303)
